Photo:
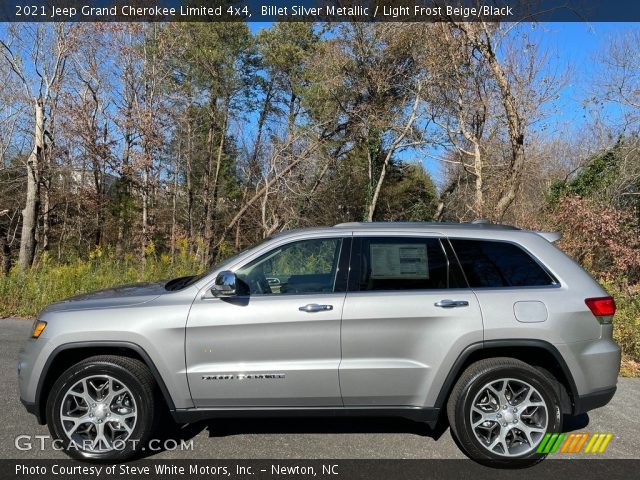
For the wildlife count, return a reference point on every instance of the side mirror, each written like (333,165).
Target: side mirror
(225,284)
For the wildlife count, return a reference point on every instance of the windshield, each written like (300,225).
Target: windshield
(184,282)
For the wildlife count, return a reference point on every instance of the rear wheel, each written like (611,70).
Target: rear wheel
(500,410)
(102,408)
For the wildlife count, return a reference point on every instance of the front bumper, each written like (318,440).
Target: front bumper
(31,360)
(33,409)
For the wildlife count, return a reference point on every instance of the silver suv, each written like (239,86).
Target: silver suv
(488,326)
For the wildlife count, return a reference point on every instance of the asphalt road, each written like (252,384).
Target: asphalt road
(304,438)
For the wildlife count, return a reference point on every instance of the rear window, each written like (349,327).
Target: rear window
(499,264)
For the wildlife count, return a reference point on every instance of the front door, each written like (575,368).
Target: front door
(278,343)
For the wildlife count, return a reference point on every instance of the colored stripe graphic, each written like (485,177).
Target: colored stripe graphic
(578,447)
(606,442)
(596,446)
(543,443)
(571,440)
(573,443)
(593,440)
(558,442)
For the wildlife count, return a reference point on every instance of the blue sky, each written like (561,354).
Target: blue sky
(576,45)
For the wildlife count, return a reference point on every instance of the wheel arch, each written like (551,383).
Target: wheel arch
(66,355)
(538,353)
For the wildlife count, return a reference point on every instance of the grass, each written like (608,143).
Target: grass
(26,294)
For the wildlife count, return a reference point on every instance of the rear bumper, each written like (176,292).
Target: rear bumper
(594,367)
(591,401)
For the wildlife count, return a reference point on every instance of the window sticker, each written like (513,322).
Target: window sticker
(400,260)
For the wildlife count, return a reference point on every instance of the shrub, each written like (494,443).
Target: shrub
(603,239)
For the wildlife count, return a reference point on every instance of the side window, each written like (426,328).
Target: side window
(499,264)
(307,266)
(400,263)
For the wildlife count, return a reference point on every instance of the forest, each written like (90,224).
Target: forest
(133,152)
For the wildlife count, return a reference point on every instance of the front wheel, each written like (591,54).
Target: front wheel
(102,409)
(500,410)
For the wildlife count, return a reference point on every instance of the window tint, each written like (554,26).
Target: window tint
(499,264)
(400,263)
(307,266)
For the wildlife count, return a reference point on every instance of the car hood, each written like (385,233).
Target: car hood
(123,296)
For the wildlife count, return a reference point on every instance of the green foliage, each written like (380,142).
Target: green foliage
(284,49)
(592,180)
(26,294)
(409,194)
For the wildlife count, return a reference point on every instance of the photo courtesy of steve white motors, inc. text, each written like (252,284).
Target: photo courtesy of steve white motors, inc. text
(169,469)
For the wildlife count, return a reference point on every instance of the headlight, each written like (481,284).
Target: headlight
(38,328)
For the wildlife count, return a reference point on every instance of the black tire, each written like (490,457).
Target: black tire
(131,373)
(471,382)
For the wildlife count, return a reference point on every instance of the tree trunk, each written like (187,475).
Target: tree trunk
(477,170)
(45,180)
(188,175)
(32,204)
(516,128)
(392,149)
(207,231)
(124,190)
(145,210)
(99,175)
(174,203)
(5,251)
(216,186)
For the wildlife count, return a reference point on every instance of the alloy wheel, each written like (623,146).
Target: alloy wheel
(509,417)
(98,413)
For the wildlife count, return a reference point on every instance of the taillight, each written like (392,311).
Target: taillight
(601,307)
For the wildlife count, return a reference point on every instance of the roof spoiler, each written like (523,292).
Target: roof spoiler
(550,236)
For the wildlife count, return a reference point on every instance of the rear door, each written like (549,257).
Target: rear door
(407,312)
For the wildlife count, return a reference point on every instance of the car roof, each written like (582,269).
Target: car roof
(399,226)
(482,228)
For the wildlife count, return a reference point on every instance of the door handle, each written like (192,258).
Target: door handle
(314,307)
(451,303)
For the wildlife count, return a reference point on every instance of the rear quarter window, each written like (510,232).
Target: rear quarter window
(499,264)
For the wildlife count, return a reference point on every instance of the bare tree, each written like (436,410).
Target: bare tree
(620,58)
(45,48)
(512,86)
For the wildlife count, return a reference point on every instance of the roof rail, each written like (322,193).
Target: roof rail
(476,224)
